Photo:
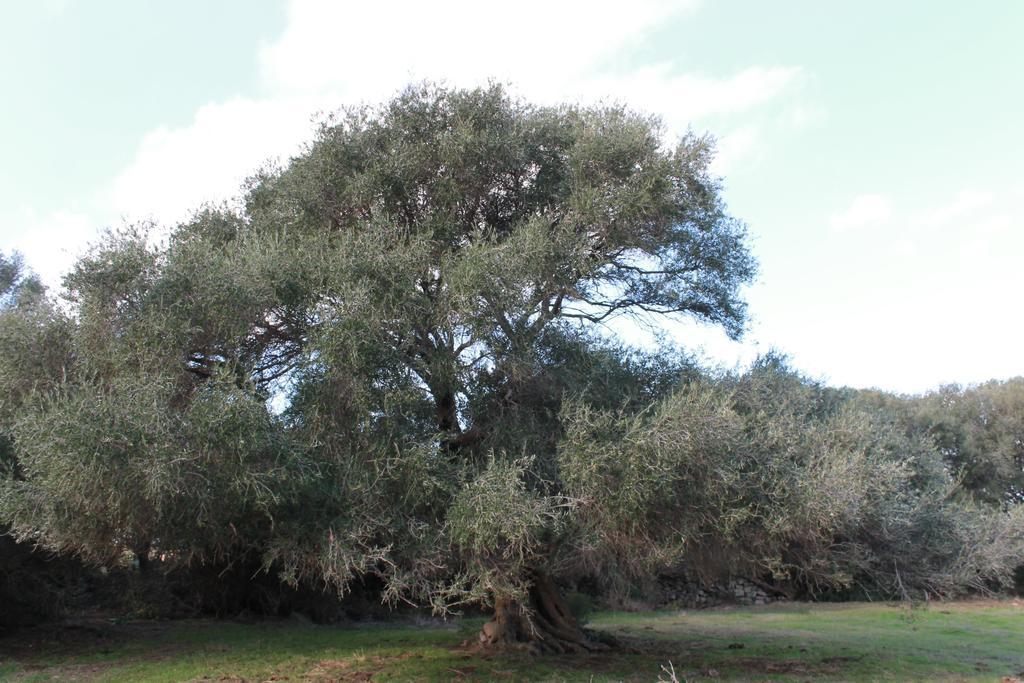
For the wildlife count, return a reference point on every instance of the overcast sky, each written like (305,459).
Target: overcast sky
(875,149)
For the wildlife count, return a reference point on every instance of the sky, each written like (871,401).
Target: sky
(874,149)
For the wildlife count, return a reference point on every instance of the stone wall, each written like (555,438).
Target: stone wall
(681,592)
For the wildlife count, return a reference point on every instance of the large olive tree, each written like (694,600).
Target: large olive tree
(459,233)
(364,368)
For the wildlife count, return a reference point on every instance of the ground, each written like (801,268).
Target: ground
(965,641)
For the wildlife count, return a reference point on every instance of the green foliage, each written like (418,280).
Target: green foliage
(980,431)
(390,363)
(114,466)
(769,474)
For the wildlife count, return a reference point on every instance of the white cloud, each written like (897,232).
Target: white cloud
(802,116)
(49,242)
(926,302)
(865,211)
(176,170)
(55,8)
(965,206)
(683,99)
(332,53)
(733,147)
(550,51)
(979,212)
(368,49)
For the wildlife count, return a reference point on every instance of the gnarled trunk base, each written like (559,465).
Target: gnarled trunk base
(545,626)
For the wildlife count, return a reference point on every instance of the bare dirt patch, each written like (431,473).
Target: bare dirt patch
(352,670)
(340,670)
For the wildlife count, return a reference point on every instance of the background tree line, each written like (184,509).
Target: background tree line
(388,366)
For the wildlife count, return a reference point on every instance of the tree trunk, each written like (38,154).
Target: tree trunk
(544,625)
(142,556)
(447,411)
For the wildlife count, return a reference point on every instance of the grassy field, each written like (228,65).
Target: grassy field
(969,641)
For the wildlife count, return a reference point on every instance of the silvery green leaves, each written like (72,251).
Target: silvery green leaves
(360,367)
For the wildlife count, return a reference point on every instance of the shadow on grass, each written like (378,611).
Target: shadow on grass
(961,641)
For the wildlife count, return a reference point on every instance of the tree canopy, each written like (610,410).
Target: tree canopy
(391,359)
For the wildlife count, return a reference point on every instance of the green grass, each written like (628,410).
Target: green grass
(968,641)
